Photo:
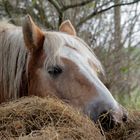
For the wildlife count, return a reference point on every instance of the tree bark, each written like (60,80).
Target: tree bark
(117,25)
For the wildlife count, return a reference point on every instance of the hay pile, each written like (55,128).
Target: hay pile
(34,118)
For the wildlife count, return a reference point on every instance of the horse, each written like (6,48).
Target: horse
(43,63)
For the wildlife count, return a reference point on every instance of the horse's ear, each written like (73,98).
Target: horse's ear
(67,27)
(33,36)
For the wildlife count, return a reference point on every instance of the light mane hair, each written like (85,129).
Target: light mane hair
(12,60)
(55,41)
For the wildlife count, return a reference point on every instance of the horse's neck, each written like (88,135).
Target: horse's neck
(13,58)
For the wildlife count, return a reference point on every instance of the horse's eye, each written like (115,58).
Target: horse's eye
(54,71)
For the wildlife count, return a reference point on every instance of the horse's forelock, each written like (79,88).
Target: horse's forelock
(55,41)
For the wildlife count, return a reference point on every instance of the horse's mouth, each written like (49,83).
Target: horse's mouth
(107,121)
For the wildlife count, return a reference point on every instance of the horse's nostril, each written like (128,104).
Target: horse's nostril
(124,118)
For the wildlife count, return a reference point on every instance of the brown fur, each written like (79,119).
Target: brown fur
(79,84)
(67,27)
(31,81)
(33,36)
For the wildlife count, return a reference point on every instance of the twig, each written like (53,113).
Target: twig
(95,12)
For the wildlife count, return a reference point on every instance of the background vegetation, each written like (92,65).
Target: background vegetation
(110,27)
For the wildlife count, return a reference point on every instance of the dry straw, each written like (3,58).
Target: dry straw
(34,118)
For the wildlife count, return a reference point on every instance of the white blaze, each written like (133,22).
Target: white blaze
(81,61)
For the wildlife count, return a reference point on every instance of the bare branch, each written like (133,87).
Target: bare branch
(95,12)
(56,5)
(58,8)
(6,4)
(42,17)
(66,7)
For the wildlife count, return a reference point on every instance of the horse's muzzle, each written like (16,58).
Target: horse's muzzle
(108,120)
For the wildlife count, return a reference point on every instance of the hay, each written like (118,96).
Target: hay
(34,118)
(127,131)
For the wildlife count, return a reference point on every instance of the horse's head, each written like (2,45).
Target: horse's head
(61,64)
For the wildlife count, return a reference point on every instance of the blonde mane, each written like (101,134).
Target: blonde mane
(12,59)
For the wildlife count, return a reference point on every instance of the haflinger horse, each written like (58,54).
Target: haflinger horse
(41,63)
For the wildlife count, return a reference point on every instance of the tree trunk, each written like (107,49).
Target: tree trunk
(118,50)
(117,26)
